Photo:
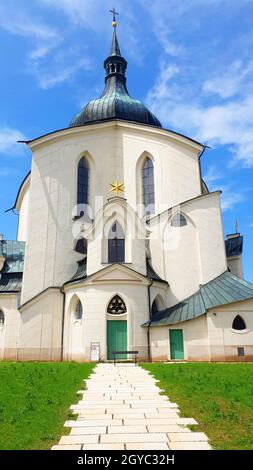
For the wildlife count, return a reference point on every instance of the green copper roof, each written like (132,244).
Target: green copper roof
(115,101)
(225,289)
(10,283)
(81,272)
(11,274)
(14,253)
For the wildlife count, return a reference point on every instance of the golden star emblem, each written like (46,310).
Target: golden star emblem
(117,187)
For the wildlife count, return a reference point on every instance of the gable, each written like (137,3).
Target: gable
(118,274)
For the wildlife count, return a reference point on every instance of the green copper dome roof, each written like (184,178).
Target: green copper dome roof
(115,101)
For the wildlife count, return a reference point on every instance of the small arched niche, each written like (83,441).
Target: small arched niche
(157,305)
(239,323)
(78,313)
(2,319)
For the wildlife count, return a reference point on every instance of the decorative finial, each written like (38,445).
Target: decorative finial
(114,13)
(236,226)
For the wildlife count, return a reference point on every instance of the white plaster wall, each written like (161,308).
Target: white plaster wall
(176,169)
(224,341)
(41,327)
(195,337)
(182,261)
(113,150)
(159,291)
(190,255)
(135,252)
(235,265)
(10,330)
(23,216)
(93,327)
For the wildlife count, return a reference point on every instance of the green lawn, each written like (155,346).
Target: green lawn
(218,396)
(35,400)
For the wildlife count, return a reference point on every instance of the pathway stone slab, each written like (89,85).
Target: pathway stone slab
(105,416)
(122,408)
(88,430)
(160,421)
(93,422)
(107,438)
(168,428)
(187,437)
(91,439)
(126,429)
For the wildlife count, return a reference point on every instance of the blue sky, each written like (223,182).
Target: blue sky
(190,61)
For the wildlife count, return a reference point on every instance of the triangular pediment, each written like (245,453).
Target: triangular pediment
(118,273)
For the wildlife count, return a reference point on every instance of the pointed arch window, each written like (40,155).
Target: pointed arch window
(1,318)
(154,310)
(148,186)
(178,220)
(117,306)
(238,323)
(79,311)
(83,181)
(116,244)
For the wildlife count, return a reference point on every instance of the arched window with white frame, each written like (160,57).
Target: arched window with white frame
(116,244)
(148,186)
(79,310)
(83,181)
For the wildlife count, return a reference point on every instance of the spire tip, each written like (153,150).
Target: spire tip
(114,13)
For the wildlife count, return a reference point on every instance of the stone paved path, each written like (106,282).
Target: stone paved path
(122,409)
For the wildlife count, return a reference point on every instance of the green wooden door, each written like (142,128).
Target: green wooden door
(116,338)
(176,344)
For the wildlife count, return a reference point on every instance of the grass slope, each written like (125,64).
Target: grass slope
(35,400)
(218,396)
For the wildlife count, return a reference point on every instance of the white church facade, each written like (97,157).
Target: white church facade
(120,245)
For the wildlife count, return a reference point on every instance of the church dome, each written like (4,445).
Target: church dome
(115,101)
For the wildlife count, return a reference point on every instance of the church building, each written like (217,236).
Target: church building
(120,244)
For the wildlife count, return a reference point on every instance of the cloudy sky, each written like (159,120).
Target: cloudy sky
(190,61)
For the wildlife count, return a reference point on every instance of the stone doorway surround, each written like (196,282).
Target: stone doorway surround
(122,409)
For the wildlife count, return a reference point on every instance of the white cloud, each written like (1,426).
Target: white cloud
(231,81)
(212,175)
(94,16)
(230,198)
(63,73)
(5,172)
(227,122)
(20,22)
(49,59)
(8,141)
(214,179)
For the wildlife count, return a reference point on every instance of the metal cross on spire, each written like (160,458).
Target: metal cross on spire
(114,13)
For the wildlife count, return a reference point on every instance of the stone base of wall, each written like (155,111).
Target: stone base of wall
(10,354)
(36,354)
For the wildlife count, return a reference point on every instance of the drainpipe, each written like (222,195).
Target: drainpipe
(148,330)
(62,322)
